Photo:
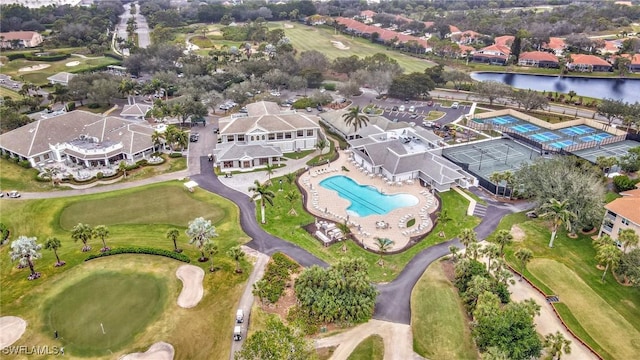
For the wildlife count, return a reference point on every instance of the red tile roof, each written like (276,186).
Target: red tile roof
(611,46)
(627,206)
(555,43)
(538,56)
(583,59)
(368,13)
(465,48)
(18,35)
(385,35)
(505,40)
(497,48)
(453,29)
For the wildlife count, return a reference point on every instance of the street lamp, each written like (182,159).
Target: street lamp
(280,181)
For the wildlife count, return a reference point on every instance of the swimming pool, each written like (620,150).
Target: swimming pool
(365,199)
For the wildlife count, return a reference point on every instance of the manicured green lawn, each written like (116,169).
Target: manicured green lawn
(4,92)
(214,316)
(569,270)
(440,327)
(39,77)
(122,304)
(284,225)
(371,348)
(319,38)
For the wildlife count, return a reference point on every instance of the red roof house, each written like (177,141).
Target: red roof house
(588,63)
(541,59)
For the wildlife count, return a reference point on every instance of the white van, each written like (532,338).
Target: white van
(239,316)
(237,333)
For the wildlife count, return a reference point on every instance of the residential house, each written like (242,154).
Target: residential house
(492,54)
(78,137)
(610,47)
(634,65)
(555,44)
(505,40)
(384,35)
(61,78)
(407,154)
(588,63)
(466,37)
(540,59)
(622,213)
(260,137)
(20,39)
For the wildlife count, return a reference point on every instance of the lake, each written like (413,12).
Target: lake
(627,90)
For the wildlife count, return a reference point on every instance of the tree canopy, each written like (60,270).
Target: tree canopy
(276,342)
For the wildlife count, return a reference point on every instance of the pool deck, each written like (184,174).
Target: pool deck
(327,204)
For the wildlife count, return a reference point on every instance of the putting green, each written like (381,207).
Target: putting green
(103,312)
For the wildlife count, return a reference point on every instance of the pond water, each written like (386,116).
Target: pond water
(627,90)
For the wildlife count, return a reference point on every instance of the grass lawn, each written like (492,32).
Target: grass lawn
(121,303)
(569,270)
(440,328)
(4,92)
(39,77)
(371,348)
(298,155)
(284,225)
(434,115)
(214,316)
(319,38)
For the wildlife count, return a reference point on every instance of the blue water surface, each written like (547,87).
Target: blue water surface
(365,199)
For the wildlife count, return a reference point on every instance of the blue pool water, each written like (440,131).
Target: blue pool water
(365,199)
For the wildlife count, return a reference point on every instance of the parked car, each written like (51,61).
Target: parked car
(243,110)
(401,108)
(239,316)
(395,108)
(237,333)
(309,109)
(342,100)
(412,108)
(427,124)
(532,214)
(13,194)
(275,93)
(455,105)
(319,108)
(430,103)
(413,116)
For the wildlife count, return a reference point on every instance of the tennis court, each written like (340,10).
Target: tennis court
(616,150)
(577,130)
(525,128)
(503,120)
(595,137)
(561,144)
(487,157)
(545,136)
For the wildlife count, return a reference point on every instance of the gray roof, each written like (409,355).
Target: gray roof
(136,110)
(35,138)
(334,118)
(267,116)
(62,77)
(232,151)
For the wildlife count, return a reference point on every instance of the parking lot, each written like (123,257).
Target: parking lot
(416,111)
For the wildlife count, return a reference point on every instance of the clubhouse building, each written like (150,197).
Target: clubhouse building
(260,137)
(78,138)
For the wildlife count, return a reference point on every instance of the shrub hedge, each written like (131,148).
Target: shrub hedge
(175,155)
(52,57)
(271,287)
(141,250)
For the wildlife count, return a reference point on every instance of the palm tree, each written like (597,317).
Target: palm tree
(443,216)
(344,228)
(51,173)
(25,250)
(102,232)
(473,250)
(605,163)
(508,178)
(270,169)
(172,234)
(454,250)
(123,168)
(609,255)
(503,237)
(496,178)
(467,237)
(322,144)
(355,118)
(491,251)
(84,233)
(263,194)
(157,139)
(628,237)
(200,232)
(558,213)
(292,196)
(53,243)
(383,244)
(291,177)
(524,255)
(236,254)
(211,249)
(556,344)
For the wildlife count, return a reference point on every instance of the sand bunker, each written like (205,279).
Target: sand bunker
(517,233)
(192,291)
(158,351)
(33,68)
(11,329)
(339,45)
(73,63)
(288,26)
